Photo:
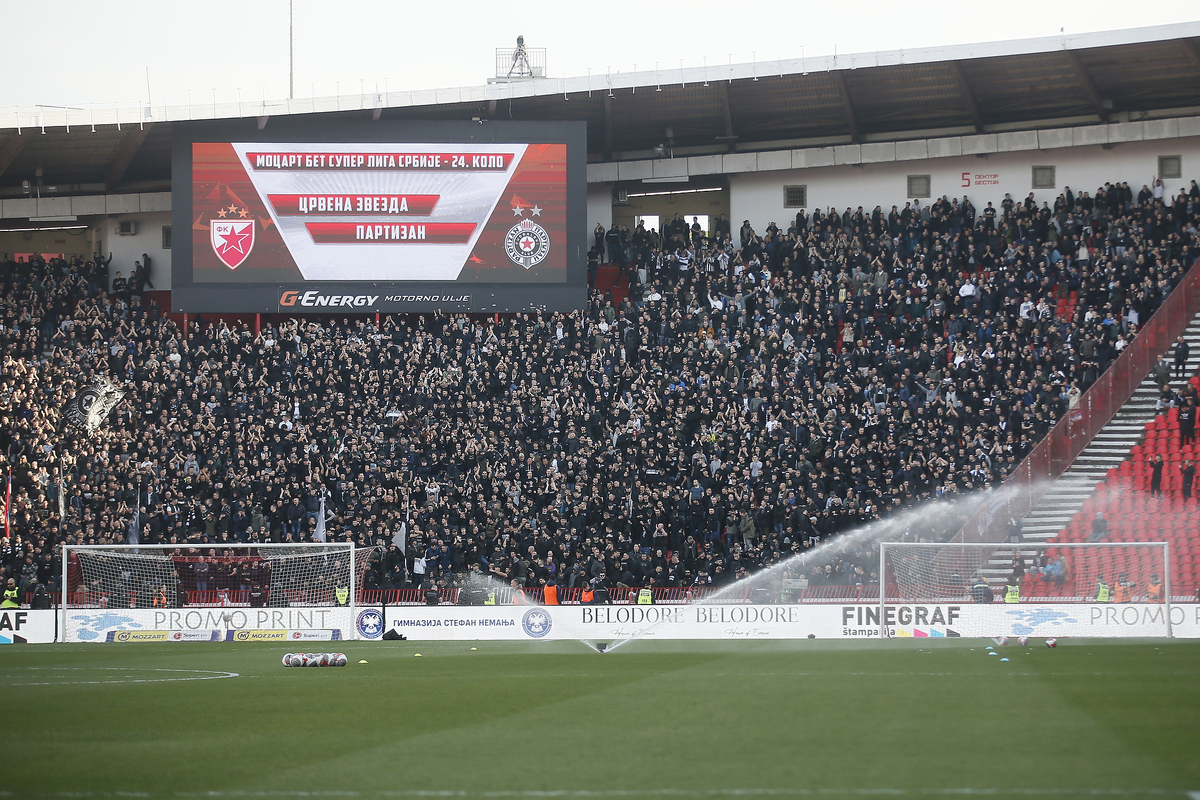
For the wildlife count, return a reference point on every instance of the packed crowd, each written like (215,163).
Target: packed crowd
(758,393)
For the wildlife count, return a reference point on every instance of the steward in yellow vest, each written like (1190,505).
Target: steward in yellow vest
(341,595)
(1102,591)
(1013,593)
(645,597)
(10,595)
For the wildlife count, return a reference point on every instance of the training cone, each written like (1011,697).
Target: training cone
(474,648)
(362,662)
(1004,659)
(993,653)
(416,655)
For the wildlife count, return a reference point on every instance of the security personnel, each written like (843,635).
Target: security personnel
(645,597)
(341,595)
(1013,593)
(1122,592)
(1154,591)
(1102,590)
(10,595)
(550,594)
(160,598)
(518,594)
(980,591)
(491,598)
(587,596)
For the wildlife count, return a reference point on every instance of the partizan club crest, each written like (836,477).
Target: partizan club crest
(527,243)
(232,240)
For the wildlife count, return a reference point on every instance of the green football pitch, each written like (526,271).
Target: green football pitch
(650,719)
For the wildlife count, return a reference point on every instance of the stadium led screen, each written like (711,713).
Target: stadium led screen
(334,217)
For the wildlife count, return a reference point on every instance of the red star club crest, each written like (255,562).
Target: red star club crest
(232,240)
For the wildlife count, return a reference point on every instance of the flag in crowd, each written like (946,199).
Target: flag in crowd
(89,407)
(320,534)
(8,506)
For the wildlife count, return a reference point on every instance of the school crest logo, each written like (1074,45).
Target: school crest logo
(232,240)
(536,623)
(527,243)
(370,624)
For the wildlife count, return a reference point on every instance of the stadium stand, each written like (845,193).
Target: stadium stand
(755,395)
(1139,509)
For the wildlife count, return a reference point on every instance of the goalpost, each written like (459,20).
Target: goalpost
(211,592)
(1024,589)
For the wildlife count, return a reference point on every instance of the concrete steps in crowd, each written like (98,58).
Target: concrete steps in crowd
(1107,450)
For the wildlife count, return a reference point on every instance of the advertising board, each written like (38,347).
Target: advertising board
(747,621)
(26,626)
(339,217)
(613,622)
(235,624)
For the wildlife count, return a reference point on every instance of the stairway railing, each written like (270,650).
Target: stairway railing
(1049,459)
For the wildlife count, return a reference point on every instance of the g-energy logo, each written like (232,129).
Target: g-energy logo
(314,299)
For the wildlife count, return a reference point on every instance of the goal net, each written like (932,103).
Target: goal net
(211,592)
(1021,589)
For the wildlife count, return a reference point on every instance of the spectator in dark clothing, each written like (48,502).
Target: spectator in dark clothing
(1181,357)
(1187,422)
(1156,473)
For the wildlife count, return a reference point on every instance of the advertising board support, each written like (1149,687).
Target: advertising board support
(1167,587)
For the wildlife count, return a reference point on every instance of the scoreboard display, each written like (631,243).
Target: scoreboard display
(325,217)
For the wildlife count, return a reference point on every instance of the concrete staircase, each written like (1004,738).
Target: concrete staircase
(1107,450)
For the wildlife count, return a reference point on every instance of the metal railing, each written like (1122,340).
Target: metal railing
(1030,481)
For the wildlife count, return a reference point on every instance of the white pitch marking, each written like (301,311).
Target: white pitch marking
(782,792)
(196,675)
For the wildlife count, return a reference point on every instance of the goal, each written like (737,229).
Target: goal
(235,592)
(1023,589)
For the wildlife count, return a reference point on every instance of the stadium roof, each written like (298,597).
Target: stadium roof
(1135,74)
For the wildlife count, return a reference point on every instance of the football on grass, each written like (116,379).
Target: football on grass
(1052,643)
(1024,640)
(295,660)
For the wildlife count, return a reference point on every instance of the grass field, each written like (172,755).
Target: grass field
(654,719)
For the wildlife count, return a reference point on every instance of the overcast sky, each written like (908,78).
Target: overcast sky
(64,52)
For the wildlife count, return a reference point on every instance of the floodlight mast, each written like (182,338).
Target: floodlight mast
(520,61)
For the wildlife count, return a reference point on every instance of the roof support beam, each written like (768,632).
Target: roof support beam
(130,142)
(10,150)
(608,98)
(1193,50)
(839,80)
(1089,85)
(726,113)
(968,95)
